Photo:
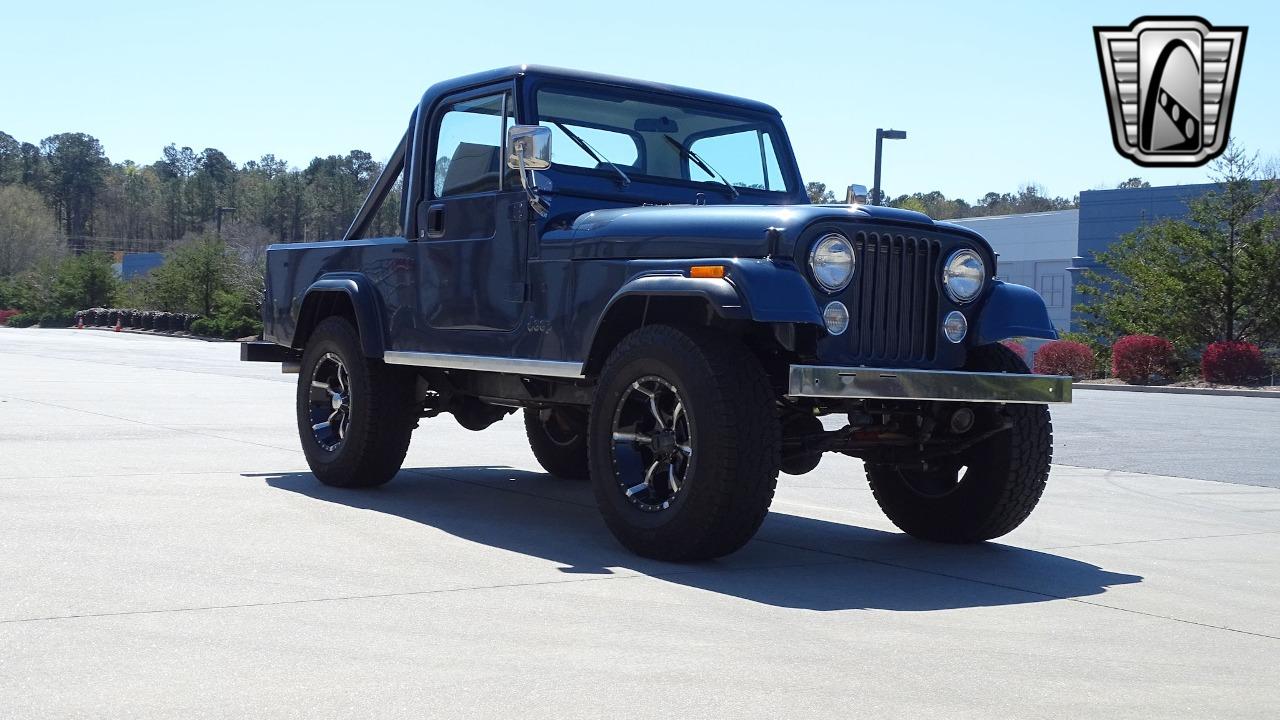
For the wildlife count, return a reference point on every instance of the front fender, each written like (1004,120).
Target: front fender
(722,296)
(365,301)
(1013,311)
(752,289)
(774,291)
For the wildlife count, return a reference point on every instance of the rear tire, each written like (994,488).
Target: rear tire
(558,438)
(1004,480)
(355,430)
(683,443)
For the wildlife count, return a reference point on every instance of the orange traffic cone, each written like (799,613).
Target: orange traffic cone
(118,325)
(79,322)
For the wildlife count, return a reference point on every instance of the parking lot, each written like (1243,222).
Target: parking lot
(167,554)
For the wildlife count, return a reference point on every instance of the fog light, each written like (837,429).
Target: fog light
(836,316)
(954,327)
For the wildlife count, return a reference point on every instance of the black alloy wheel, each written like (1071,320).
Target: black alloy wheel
(330,402)
(652,444)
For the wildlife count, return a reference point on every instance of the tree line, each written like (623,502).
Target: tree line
(1213,276)
(63,201)
(181,191)
(1028,199)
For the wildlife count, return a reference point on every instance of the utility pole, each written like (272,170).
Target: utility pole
(218,214)
(882,135)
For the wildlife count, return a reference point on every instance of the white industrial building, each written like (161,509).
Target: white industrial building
(1045,250)
(1036,250)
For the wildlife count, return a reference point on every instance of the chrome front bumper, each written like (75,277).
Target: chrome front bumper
(820,381)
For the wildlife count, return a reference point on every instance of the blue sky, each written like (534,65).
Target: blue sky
(993,95)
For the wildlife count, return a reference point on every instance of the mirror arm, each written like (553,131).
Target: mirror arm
(535,202)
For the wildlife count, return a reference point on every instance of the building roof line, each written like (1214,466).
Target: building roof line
(1011,215)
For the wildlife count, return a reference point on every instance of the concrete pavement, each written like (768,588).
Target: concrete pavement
(1229,439)
(166,554)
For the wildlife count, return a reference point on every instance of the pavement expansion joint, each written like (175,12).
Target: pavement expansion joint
(633,575)
(160,426)
(1160,540)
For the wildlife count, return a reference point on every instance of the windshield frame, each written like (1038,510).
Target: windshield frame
(568,178)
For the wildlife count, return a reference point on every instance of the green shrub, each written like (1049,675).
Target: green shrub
(59,289)
(8,292)
(194,272)
(23,320)
(235,315)
(57,319)
(204,327)
(84,281)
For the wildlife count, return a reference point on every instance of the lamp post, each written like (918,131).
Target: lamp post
(218,214)
(882,135)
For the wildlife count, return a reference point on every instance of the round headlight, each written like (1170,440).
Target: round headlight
(831,262)
(963,275)
(836,316)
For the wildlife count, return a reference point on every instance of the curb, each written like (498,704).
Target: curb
(1178,390)
(149,333)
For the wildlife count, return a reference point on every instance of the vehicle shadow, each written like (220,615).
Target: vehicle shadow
(794,562)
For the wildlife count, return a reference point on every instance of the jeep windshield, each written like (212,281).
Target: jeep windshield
(662,139)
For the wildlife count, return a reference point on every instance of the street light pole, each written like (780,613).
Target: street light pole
(882,135)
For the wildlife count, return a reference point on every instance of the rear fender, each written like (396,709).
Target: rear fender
(366,305)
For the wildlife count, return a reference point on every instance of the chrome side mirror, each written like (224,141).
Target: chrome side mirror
(856,195)
(528,147)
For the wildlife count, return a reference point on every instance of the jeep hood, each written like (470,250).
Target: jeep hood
(699,231)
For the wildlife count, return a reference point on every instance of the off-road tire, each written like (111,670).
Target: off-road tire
(382,412)
(733,469)
(562,448)
(1006,474)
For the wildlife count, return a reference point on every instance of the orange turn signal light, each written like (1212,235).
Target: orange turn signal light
(706,271)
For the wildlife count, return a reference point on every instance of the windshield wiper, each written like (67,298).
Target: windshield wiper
(595,154)
(702,164)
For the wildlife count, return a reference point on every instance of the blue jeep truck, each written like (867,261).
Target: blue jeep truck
(637,269)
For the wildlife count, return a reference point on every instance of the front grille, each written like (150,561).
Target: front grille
(895,297)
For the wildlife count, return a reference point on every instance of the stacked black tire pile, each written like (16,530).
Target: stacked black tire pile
(154,320)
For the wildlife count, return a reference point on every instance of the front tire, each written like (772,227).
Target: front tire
(355,414)
(987,490)
(683,443)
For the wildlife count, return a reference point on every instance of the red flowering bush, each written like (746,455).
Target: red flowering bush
(1139,359)
(6,314)
(1065,357)
(1016,347)
(1232,362)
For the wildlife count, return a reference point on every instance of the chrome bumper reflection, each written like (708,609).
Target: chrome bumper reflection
(888,384)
